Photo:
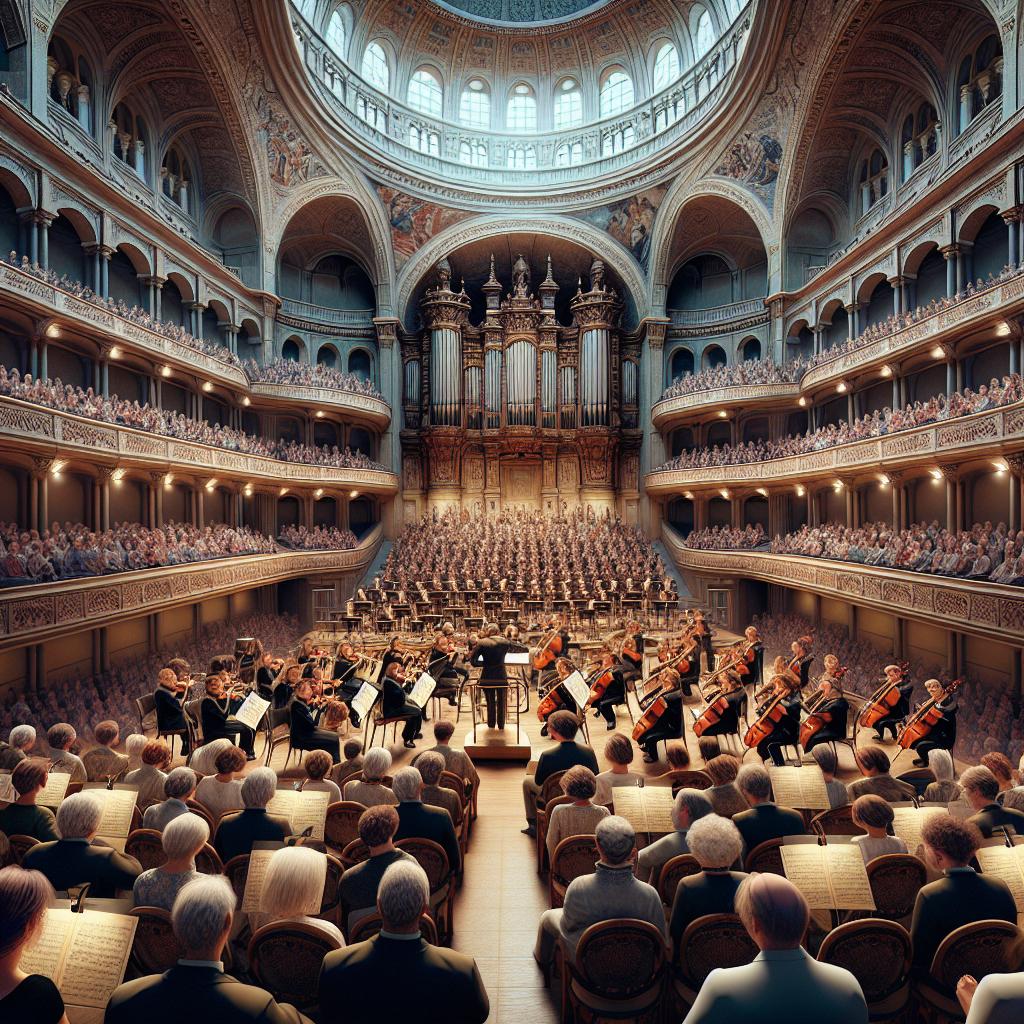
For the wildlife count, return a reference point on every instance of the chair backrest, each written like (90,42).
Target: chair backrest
(355,853)
(146,846)
(285,958)
(551,788)
(275,719)
(430,856)
(145,705)
(717,940)
(332,885)
(876,953)
(836,822)
(197,808)
(681,866)
(690,780)
(978,949)
(236,871)
(449,780)
(919,778)
(895,879)
(20,845)
(341,825)
(366,927)
(208,861)
(556,801)
(620,959)
(574,857)
(154,948)
(766,856)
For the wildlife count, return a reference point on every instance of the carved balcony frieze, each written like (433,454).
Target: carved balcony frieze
(667,411)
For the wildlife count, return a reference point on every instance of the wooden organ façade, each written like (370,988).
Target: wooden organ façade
(521,411)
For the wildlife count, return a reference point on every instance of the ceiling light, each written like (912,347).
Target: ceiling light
(245,401)
(802,403)
(53,331)
(938,352)
(762,492)
(723,414)
(118,475)
(886,371)
(56,466)
(248,490)
(353,494)
(883,479)
(800,490)
(284,491)
(319,414)
(210,484)
(724,493)
(688,495)
(165,371)
(168,480)
(1003,330)
(207,386)
(838,486)
(318,493)
(1001,467)
(841,387)
(115,352)
(936,474)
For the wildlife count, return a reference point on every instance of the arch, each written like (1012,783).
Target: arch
(681,362)
(138,259)
(828,311)
(521,109)
(750,348)
(19,181)
(712,357)
(912,260)
(376,65)
(184,286)
(868,285)
(665,66)
(327,355)
(616,94)
(425,92)
(249,331)
(567,107)
(475,104)
(360,363)
(83,226)
(972,218)
(220,308)
(294,349)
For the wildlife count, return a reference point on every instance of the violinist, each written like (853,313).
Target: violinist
(285,684)
(755,655)
(393,654)
(439,666)
(728,716)
(943,733)
(489,652)
(895,676)
(168,697)
(787,729)
(830,707)
(303,721)
(800,662)
(396,704)
(557,698)
(215,714)
(669,725)
(267,672)
(612,687)
(306,651)
(704,634)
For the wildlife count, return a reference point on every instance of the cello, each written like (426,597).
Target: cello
(549,651)
(817,720)
(718,705)
(923,720)
(769,716)
(883,700)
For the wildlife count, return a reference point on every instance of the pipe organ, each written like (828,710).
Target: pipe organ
(520,410)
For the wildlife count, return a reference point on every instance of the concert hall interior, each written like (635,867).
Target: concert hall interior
(511,510)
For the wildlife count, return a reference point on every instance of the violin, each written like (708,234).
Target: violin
(883,700)
(925,718)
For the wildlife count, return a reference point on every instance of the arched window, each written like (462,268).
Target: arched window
(522,110)
(568,104)
(176,178)
(616,93)
(472,153)
(290,350)
(569,154)
(874,180)
(375,67)
(475,105)
(327,356)
(359,363)
(425,93)
(307,8)
(521,158)
(980,80)
(424,140)
(682,363)
(335,34)
(617,141)
(666,67)
(129,142)
(702,31)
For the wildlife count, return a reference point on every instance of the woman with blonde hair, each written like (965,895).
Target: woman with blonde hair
(293,887)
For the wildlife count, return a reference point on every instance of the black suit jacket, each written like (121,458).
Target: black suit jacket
(200,995)
(168,710)
(992,816)
(490,653)
(418,821)
(565,755)
(237,832)
(68,862)
(700,895)
(768,821)
(303,723)
(395,979)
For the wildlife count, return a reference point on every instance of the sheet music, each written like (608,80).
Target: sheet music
(97,957)
(848,877)
(55,789)
(118,805)
(908,823)
(259,861)
(1008,864)
(517,658)
(364,700)
(252,710)
(46,954)
(576,686)
(647,810)
(805,868)
(800,787)
(422,690)
(302,809)
(8,794)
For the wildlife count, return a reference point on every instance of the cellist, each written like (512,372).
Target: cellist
(894,676)
(800,662)
(755,655)
(704,634)
(831,702)
(670,725)
(943,733)
(613,694)
(729,716)
(787,729)
(557,698)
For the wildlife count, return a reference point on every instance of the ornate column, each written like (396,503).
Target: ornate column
(951,474)
(950,254)
(1012,218)
(103,477)
(1016,484)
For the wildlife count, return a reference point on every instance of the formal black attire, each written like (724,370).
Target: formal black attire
(728,720)
(396,704)
(217,724)
(768,821)
(563,757)
(632,662)
(282,695)
(899,711)
(709,892)
(614,695)
(706,648)
(785,733)
(304,732)
(440,668)
(804,669)
(237,831)
(418,821)
(943,732)
(756,675)
(839,709)
(34,1000)
(265,682)
(490,654)
(995,816)
(169,715)
(71,862)
(668,727)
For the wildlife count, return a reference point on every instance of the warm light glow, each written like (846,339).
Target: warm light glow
(936,474)
(803,403)
(883,479)
(246,402)
(800,490)
(115,352)
(56,467)
(118,475)
(53,331)
(841,387)
(207,386)
(353,494)
(762,492)
(1001,467)
(724,493)
(886,371)
(838,486)
(210,484)
(319,414)
(1003,330)
(284,491)
(318,493)
(248,491)
(723,414)
(168,480)
(165,371)
(938,352)
(688,495)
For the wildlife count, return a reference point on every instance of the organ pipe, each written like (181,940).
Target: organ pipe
(594,351)
(445,376)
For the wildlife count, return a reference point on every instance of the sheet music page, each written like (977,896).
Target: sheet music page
(1007,864)
(97,957)
(799,787)
(252,710)
(8,794)
(658,804)
(46,955)
(517,658)
(847,877)
(576,686)
(422,690)
(53,792)
(302,809)
(259,861)
(118,805)
(909,821)
(364,700)
(629,804)
(805,868)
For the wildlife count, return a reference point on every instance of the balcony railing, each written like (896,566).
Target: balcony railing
(326,315)
(719,398)
(715,316)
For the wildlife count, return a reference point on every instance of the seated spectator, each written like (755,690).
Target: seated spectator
(370,790)
(134,745)
(197,989)
(619,753)
(20,741)
(103,762)
(562,728)
(316,766)
(961,896)
(875,816)
(430,765)
(944,789)
(997,998)
(352,752)
(873,763)
(74,860)
(237,831)
(25,998)
(717,845)
(678,758)
(424,983)
(981,790)
(295,879)
(765,819)
(690,805)
(61,738)
(25,817)
(150,778)
(724,794)
(458,762)
(829,765)
(415,821)
(222,792)
(204,760)
(179,786)
(581,817)
(377,828)
(182,839)
(784,983)
(612,892)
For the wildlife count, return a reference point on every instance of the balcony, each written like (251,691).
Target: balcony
(716,319)
(298,313)
(669,412)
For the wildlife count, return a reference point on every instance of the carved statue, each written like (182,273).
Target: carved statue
(520,278)
(597,275)
(444,275)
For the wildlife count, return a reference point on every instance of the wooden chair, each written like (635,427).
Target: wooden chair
(836,822)
(208,861)
(371,925)
(379,721)
(543,819)
(341,825)
(459,786)
(690,780)
(877,953)
(766,856)
(919,778)
(145,706)
(355,853)
(978,949)
(277,733)
(431,857)
(717,940)
(574,856)
(330,906)
(236,871)
(895,880)
(681,866)
(20,845)
(285,958)
(146,846)
(195,807)
(551,787)
(154,948)
(618,972)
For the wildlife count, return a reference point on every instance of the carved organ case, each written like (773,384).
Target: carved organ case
(520,411)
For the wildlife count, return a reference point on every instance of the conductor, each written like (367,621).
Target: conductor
(490,653)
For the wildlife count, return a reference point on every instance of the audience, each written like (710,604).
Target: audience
(182,839)
(152,776)
(295,880)
(24,817)
(369,790)
(944,789)
(723,794)
(875,816)
(458,762)
(981,789)
(579,818)
(352,752)
(61,738)
(316,766)
(752,371)
(997,998)
(827,761)
(238,831)
(377,828)
(20,741)
(222,792)
(102,762)
(764,820)
(873,763)
(562,728)
(689,806)
(179,786)
(726,538)
(430,766)
(320,538)
(417,821)
(619,753)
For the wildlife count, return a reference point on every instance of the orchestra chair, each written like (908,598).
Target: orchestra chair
(574,857)
(330,905)
(686,778)
(366,927)
(877,953)
(278,731)
(379,721)
(672,871)
(715,940)
(618,973)
(285,958)
(431,857)
(146,846)
(766,857)
(543,817)
(341,825)
(895,880)
(979,949)
(466,794)
(146,707)
(20,845)
(838,821)
(195,807)
(919,778)
(154,948)
(355,853)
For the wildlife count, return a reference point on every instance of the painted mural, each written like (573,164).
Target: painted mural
(754,161)
(414,222)
(630,222)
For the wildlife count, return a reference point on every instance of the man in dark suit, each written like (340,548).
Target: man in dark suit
(961,897)
(237,832)
(197,989)
(304,720)
(418,821)
(398,975)
(167,703)
(563,726)
(73,860)
(980,788)
(490,653)
(765,820)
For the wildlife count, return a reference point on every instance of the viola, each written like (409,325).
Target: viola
(711,715)
(927,716)
(649,718)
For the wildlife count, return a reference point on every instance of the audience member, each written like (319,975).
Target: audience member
(724,795)
(980,789)
(61,738)
(316,766)
(352,752)
(944,789)
(295,880)
(875,816)
(102,762)
(221,793)
(829,765)
(562,728)
(416,821)
(764,820)
(151,777)
(377,828)
(20,741)
(182,839)
(430,766)
(619,753)
(690,805)
(873,763)
(24,817)
(238,830)
(179,786)
(579,818)
(369,790)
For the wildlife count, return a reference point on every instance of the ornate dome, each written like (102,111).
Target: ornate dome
(522,11)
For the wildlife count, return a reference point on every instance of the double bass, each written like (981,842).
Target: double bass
(923,720)
(883,700)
